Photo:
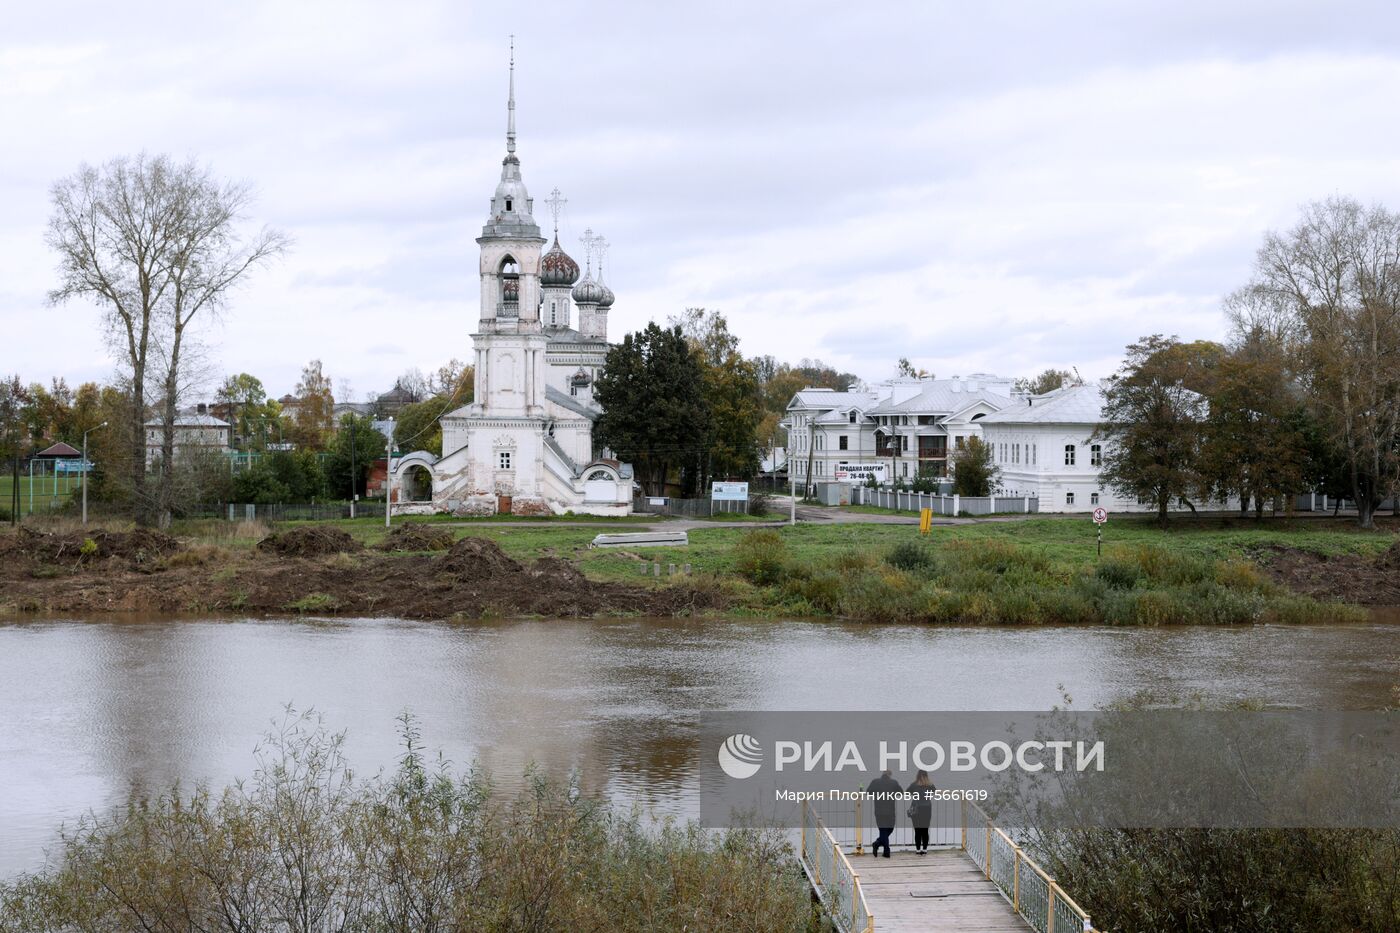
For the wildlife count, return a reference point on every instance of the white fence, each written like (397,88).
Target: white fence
(943,505)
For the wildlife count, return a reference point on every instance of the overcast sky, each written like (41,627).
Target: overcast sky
(980,187)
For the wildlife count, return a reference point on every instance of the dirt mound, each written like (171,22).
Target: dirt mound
(1351,578)
(416,536)
(310,541)
(479,558)
(140,546)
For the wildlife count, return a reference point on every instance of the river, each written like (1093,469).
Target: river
(91,710)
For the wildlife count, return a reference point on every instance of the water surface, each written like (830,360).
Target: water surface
(91,710)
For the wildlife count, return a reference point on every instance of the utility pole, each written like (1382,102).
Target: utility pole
(811,453)
(84,467)
(388,469)
(353,492)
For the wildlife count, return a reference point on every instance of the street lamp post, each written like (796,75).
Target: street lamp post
(85,466)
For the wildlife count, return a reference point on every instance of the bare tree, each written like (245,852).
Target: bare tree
(154,243)
(1337,273)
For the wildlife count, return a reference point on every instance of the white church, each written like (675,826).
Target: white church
(524,445)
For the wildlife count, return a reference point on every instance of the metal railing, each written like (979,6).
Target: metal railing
(1032,892)
(832,876)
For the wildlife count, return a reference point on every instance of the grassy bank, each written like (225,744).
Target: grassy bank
(1035,571)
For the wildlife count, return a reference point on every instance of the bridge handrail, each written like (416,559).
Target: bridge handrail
(833,878)
(1034,895)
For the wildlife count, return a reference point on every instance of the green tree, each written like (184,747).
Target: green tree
(311,421)
(358,443)
(1254,444)
(974,469)
(1155,412)
(1048,381)
(418,426)
(732,395)
(907,370)
(654,411)
(243,402)
(1330,286)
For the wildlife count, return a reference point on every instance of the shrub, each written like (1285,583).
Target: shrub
(314,602)
(911,556)
(1118,574)
(1240,574)
(853,561)
(761,557)
(421,848)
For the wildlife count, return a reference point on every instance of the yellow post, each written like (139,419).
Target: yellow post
(1016,880)
(1050,908)
(988,851)
(860,849)
(964,825)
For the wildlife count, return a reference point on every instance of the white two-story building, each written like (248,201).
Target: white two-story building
(907,428)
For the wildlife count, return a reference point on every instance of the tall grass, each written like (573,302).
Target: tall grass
(994,581)
(304,846)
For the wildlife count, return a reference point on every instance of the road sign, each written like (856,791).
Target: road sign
(1100,515)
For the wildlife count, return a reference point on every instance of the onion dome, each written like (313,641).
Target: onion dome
(606,301)
(510,290)
(556,267)
(588,292)
(580,379)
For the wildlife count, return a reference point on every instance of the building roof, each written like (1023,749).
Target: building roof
(941,396)
(191,420)
(60,450)
(571,403)
(1081,404)
(830,398)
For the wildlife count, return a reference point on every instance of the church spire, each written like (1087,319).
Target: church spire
(510,106)
(512,207)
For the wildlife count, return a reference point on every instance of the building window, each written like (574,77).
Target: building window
(1034,453)
(853,417)
(1069,455)
(842,442)
(1016,453)
(1093,498)
(1096,455)
(507,204)
(504,459)
(958,442)
(1069,498)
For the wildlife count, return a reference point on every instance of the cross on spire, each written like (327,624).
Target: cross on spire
(601,245)
(590,242)
(556,202)
(510,107)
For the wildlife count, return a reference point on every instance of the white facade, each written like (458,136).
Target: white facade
(197,430)
(910,426)
(525,443)
(1045,447)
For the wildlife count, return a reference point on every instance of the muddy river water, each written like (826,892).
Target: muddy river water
(90,710)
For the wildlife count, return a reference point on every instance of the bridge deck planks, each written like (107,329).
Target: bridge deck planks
(962,899)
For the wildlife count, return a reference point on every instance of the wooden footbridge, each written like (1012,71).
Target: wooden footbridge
(973,879)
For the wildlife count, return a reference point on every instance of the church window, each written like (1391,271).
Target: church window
(1069,498)
(1096,455)
(503,460)
(1069,455)
(507,204)
(1093,498)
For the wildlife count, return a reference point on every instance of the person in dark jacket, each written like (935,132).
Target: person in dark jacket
(921,810)
(885,809)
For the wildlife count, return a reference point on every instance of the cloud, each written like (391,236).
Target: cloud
(997,188)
